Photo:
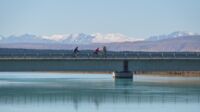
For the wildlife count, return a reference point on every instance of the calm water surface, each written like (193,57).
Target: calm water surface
(62,92)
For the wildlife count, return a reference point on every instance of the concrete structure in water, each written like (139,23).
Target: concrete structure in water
(122,66)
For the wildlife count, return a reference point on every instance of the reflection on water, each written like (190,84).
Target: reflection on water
(59,92)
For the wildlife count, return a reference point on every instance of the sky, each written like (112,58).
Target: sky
(134,18)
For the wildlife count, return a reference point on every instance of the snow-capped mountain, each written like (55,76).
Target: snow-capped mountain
(176,42)
(26,38)
(111,37)
(176,34)
(79,38)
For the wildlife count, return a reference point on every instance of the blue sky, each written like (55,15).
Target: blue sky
(134,18)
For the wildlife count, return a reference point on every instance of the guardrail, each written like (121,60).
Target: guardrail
(102,55)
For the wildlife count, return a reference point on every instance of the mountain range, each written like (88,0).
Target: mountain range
(176,41)
(79,38)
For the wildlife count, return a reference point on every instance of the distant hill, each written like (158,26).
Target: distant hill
(177,34)
(177,41)
(191,43)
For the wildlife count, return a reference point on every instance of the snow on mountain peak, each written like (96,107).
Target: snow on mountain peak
(181,34)
(55,37)
(78,38)
(176,34)
(81,38)
(25,38)
(111,37)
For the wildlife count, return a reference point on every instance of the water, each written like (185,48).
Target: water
(62,92)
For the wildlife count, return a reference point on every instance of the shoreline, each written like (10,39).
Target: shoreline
(168,73)
(161,74)
(172,73)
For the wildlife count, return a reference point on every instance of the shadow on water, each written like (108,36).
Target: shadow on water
(123,82)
